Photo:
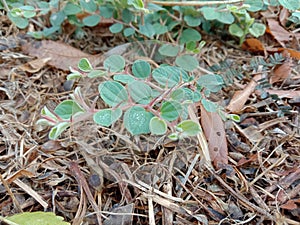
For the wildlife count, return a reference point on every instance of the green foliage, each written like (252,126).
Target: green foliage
(150,21)
(145,100)
(37,218)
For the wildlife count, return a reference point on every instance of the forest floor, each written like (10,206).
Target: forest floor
(96,175)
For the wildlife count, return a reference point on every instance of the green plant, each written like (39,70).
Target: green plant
(147,100)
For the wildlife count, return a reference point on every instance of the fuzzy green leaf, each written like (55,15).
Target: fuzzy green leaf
(112,93)
(124,78)
(67,108)
(141,69)
(235,30)
(136,120)
(169,76)
(116,28)
(257,29)
(187,62)
(140,92)
(188,128)
(158,126)
(170,110)
(85,65)
(290,4)
(189,35)
(107,117)
(91,21)
(57,130)
(209,105)
(168,50)
(71,9)
(114,63)
(211,82)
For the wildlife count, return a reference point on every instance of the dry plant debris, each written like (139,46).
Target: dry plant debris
(99,176)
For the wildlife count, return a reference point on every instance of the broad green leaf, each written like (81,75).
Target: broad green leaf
(106,11)
(169,76)
(127,16)
(189,35)
(209,13)
(178,95)
(192,21)
(107,117)
(112,93)
(88,6)
(91,21)
(46,112)
(97,73)
(28,11)
(67,108)
(187,62)
(20,22)
(225,17)
(71,9)
(188,128)
(257,29)
(56,19)
(147,30)
(170,110)
(168,50)
(73,76)
(209,105)
(140,92)
(37,218)
(124,78)
(116,28)
(58,129)
(211,82)
(114,63)
(160,29)
(136,120)
(158,126)
(290,4)
(235,30)
(141,69)
(138,4)
(128,31)
(254,5)
(85,65)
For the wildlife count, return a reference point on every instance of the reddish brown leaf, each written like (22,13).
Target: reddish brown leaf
(281,72)
(253,45)
(61,55)
(213,127)
(290,205)
(278,32)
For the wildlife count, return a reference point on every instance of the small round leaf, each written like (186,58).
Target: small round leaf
(187,62)
(170,110)
(141,69)
(168,50)
(85,65)
(158,126)
(140,92)
(114,63)
(112,93)
(116,28)
(91,20)
(107,117)
(188,128)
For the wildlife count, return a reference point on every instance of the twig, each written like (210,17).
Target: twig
(194,3)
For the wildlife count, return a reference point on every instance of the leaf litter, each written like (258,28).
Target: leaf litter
(96,175)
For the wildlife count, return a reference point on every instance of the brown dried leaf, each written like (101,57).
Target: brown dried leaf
(281,72)
(61,55)
(278,32)
(290,205)
(214,130)
(123,215)
(34,65)
(240,97)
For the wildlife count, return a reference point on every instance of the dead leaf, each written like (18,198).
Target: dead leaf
(278,32)
(240,97)
(281,72)
(121,215)
(290,205)
(214,130)
(253,45)
(61,55)
(34,65)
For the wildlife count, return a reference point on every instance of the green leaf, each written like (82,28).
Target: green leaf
(71,9)
(290,4)
(209,13)
(141,69)
(106,11)
(74,75)
(160,29)
(187,62)
(91,21)
(58,129)
(85,65)
(20,22)
(211,82)
(157,126)
(140,92)
(67,108)
(46,112)
(169,76)
(257,29)
(147,30)
(138,4)
(97,73)
(254,5)
(136,120)
(170,110)
(192,21)
(28,11)
(235,30)
(168,50)
(114,63)
(234,117)
(116,28)
(127,16)
(209,105)
(225,17)
(189,35)
(107,117)
(188,128)
(128,31)
(88,5)
(112,93)
(37,218)
(178,95)
(124,78)
(56,19)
